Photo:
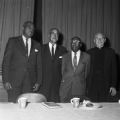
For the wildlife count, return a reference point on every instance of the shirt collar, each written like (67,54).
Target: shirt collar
(24,38)
(77,53)
(50,45)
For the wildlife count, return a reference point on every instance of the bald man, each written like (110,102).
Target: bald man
(103,71)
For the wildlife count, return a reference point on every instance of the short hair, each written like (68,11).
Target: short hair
(99,33)
(27,23)
(54,29)
(76,38)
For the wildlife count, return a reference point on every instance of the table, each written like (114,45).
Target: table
(36,111)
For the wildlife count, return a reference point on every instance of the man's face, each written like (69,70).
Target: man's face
(75,45)
(99,40)
(54,36)
(28,30)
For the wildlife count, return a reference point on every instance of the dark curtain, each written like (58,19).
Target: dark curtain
(83,18)
(38,20)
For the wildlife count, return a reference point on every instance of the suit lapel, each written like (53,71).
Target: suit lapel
(70,60)
(81,58)
(21,45)
(32,46)
(56,51)
(49,52)
(80,61)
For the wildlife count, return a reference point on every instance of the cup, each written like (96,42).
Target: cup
(75,102)
(22,102)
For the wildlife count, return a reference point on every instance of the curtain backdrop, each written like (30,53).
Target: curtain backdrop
(82,18)
(13,13)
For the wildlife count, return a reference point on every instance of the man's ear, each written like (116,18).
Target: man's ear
(80,44)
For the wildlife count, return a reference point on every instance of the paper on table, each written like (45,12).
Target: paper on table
(51,104)
(87,105)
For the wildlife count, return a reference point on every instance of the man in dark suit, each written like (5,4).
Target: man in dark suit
(52,58)
(102,84)
(75,71)
(21,68)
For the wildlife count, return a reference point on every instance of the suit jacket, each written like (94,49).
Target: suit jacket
(74,81)
(109,69)
(16,63)
(52,72)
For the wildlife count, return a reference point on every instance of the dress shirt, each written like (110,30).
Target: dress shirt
(50,47)
(29,43)
(77,54)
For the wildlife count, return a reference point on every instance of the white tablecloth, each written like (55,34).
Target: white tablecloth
(36,111)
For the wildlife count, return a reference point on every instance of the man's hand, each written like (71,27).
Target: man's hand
(7,86)
(113,91)
(36,87)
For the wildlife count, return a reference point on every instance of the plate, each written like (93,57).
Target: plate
(92,106)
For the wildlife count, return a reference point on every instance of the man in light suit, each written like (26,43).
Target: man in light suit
(75,71)
(52,59)
(21,68)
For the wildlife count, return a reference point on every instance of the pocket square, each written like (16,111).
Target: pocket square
(36,50)
(60,56)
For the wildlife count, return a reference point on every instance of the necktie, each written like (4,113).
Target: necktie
(52,50)
(26,46)
(75,61)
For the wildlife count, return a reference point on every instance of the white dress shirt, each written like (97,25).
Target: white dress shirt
(77,54)
(50,47)
(29,43)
